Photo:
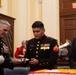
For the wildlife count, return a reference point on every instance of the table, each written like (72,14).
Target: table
(54,72)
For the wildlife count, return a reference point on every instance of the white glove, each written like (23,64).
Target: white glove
(1,59)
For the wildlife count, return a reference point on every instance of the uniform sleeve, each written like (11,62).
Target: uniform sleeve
(72,57)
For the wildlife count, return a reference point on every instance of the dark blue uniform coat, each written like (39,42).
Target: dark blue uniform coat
(43,50)
(3,51)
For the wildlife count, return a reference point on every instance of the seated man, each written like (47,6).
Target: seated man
(5,60)
(72,57)
(20,51)
(42,51)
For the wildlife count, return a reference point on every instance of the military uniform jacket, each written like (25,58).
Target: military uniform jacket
(3,52)
(72,57)
(45,50)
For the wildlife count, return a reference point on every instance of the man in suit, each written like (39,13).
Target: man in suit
(42,51)
(72,57)
(5,60)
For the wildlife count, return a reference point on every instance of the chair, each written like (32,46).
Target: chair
(17,71)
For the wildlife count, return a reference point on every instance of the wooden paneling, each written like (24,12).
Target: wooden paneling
(67,27)
(67,18)
(67,6)
(9,39)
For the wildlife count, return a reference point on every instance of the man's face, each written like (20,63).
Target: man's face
(38,32)
(4,29)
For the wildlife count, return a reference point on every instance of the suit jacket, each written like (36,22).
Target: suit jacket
(72,57)
(45,50)
(3,52)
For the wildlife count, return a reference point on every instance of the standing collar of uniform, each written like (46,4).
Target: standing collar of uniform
(41,38)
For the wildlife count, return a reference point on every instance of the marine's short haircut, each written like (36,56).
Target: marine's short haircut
(5,22)
(38,24)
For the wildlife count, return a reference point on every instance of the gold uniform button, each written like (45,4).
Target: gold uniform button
(40,64)
(30,49)
(36,52)
(37,44)
(46,62)
(37,48)
(36,55)
(43,63)
(1,48)
(38,41)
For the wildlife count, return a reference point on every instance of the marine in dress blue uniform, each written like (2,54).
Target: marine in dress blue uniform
(44,49)
(5,60)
